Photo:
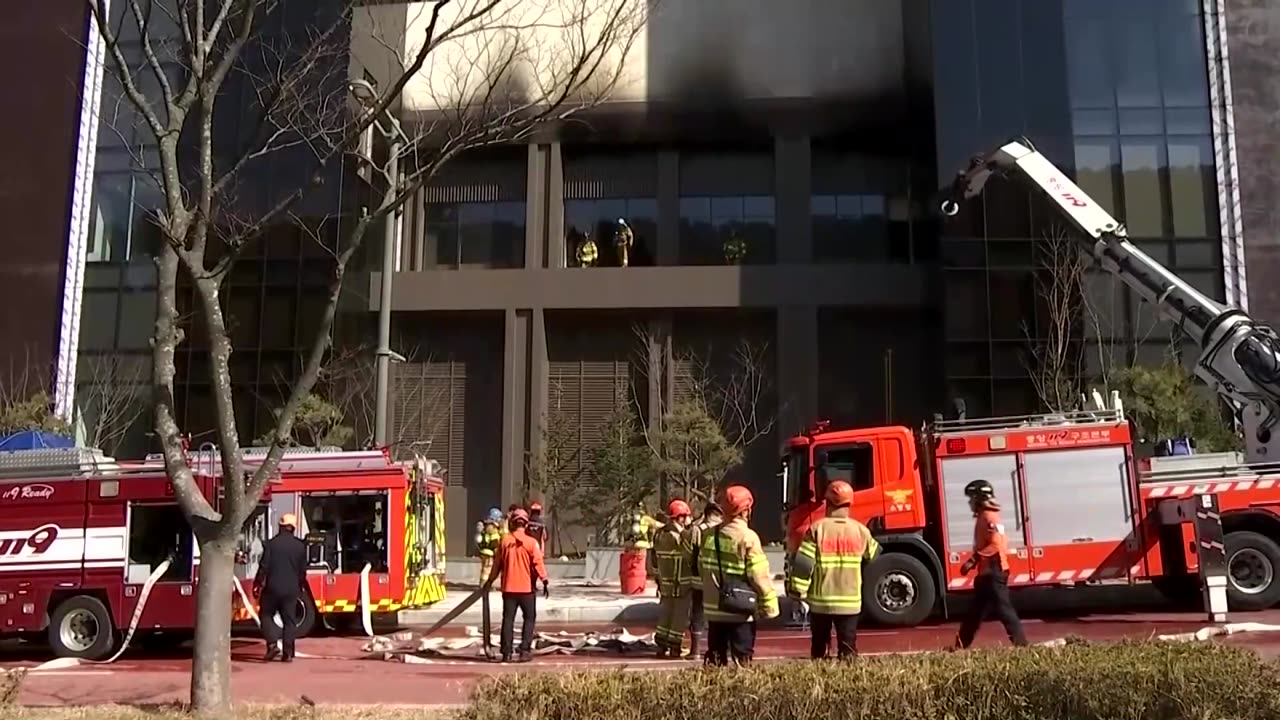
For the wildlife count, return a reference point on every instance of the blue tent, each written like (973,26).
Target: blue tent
(34,440)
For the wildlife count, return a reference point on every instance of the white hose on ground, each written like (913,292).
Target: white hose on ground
(133,626)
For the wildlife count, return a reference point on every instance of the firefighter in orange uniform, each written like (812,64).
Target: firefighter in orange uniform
(827,572)
(673,595)
(990,557)
(520,565)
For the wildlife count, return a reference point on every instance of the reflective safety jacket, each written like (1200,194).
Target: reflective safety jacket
(826,571)
(671,560)
(990,545)
(691,548)
(741,555)
(642,525)
(487,539)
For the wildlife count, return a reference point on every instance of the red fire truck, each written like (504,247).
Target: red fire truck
(1076,507)
(79,535)
(356,509)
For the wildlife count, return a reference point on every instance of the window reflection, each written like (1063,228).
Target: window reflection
(120,229)
(735,230)
(1192,186)
(853,228)
(480,234)
(597,221)
(1140,161)
(1095,163)
(1137,73)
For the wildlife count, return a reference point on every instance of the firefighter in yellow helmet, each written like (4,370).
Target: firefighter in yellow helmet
(674,596)
(623,239)
(735,249)
(640,534)
(827,572)
(586,253)
(737,586)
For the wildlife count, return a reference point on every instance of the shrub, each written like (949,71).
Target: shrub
(1079,681)
(11,685)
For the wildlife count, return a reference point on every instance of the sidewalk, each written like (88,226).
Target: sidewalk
(571,602)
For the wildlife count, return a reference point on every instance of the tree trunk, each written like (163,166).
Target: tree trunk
(211,661)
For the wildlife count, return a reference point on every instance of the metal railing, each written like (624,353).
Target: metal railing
(1014,422)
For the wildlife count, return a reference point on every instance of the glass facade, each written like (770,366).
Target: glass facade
(598,220)
(477,234)
(734,230)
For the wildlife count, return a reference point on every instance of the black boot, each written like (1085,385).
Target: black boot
(695,645)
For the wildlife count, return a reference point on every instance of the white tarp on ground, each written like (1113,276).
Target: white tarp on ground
(406,646)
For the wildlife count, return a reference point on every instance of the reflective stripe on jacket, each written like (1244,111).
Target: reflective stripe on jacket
(691,547)
(827,569)
(670,560)
(741,555)
(488,541)
(990,545)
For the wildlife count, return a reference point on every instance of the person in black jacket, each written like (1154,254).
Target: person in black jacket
(280,584)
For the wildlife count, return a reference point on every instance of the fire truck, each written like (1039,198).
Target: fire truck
(354,509)
(1078,505)
(81,534)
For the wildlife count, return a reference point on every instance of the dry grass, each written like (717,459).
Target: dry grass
(247,712)
(1135,681)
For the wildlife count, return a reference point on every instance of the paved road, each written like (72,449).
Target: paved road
(339,673)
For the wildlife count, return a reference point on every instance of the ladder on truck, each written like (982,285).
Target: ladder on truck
(77,463)
(1028,422)
(1185,489)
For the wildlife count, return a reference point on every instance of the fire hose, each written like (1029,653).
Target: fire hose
(366,616)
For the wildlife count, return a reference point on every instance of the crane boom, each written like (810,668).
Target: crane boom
(1239,357)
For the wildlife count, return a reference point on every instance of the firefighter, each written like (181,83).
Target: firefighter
(537,528)
(640,536)
(734,573)
(520,564)
(623,239)
(990,557)
(281,582)
(691,547)
(488,535)
(587,253)
(674,597)
(827,572)
(735,250)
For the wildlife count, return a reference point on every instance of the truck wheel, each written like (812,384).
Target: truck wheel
(901,590)
(81,627)
(307,617)
(1253,571)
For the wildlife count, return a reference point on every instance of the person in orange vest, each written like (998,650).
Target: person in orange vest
(991,558)
(827,572)
(519,562)
(737,586)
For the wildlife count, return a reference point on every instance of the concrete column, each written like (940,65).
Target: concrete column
(539,380)
(797,368)
(668,197)
(793,180)
(555,255)
(535,212)
(515,403)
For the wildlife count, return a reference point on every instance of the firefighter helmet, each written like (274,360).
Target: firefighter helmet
(839,494)
(495,515)
(678,508)
(738,501)
(519,517)
(535,507)
(979,490)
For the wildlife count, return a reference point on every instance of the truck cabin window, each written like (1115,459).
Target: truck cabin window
(850,463)
(350,530)
(157,532)
(794,473)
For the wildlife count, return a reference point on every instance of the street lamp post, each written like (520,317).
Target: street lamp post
(365,94)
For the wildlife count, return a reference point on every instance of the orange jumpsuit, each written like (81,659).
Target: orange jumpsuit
(991,588)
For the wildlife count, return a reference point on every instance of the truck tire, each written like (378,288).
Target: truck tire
(899,590)
(81,627)
(1253,571)
(308,615)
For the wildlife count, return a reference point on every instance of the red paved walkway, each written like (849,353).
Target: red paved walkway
(343,676)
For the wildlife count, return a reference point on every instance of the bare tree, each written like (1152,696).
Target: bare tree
(1055,350)
(721,409)
(111,398)
(499,72)
(552,469)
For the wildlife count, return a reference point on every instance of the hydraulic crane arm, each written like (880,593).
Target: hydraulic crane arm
(1239,358)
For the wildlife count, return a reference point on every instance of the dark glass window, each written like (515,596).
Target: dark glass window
(599,218)
(1088,47)
(1137,71)
(1183,71)
(852,227)
(1141,160)
(1096,159)
(714,229)
(1192,186)
(482,234)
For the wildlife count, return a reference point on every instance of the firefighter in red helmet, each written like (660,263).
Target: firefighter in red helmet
(737,586)
(673,597)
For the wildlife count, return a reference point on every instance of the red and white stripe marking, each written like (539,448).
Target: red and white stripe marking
(1178,491)
(1051,577)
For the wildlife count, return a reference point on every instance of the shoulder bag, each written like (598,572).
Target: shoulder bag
(737,596)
